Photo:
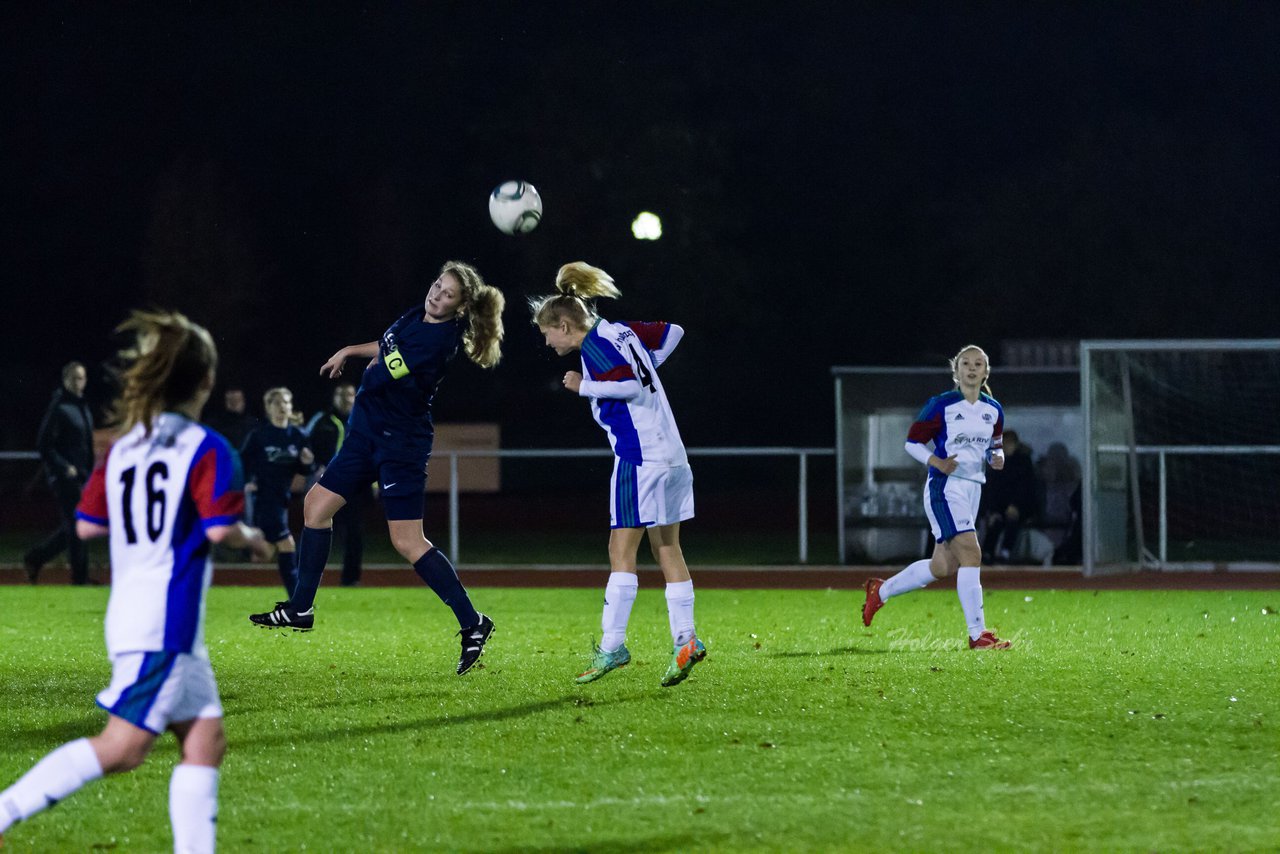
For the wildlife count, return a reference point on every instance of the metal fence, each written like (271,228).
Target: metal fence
(1160,559)
(802,456)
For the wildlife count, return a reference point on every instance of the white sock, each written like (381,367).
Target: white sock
(914,577)
(969,589)
(619,596)
(59,774)
(193,808)
(680,611)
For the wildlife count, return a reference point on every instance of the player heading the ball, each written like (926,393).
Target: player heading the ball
(652,486)
(389,440)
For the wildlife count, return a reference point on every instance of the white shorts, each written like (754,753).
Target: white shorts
(952,506)
(154,689)
(644,496)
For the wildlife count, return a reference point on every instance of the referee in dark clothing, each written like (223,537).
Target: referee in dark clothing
(327,430)
(66,447)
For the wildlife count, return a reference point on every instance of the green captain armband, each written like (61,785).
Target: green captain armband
(396,364)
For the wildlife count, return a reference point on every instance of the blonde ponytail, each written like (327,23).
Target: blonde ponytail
(576,283)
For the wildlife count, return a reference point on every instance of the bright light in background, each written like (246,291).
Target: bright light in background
(646,226)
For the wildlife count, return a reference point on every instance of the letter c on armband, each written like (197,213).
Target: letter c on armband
(395,364)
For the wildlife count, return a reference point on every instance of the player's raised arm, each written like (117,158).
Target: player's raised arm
(659,337)
(333,367)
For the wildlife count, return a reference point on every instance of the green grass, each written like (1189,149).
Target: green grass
(1121,721)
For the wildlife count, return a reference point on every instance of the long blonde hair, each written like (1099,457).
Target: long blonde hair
(171,358)
(482,304)
(576,283)
(954,362)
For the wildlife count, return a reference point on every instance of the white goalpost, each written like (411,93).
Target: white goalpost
(1182,455)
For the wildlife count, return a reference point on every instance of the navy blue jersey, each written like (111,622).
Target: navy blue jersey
(394,398)
(271,456)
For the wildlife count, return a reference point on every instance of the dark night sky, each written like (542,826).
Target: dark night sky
(840,183)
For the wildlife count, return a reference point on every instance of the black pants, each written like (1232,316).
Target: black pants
(1002,532)
(348,523)
(66,493)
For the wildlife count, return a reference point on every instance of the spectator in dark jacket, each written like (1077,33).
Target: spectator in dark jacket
(235,423)
(66,448)
(231,419)
(328,429)
(1009,500)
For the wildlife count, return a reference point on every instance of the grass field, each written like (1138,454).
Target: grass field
(1121,721)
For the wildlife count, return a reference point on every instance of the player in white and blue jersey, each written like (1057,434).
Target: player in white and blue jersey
(965,428)
(389,440)
(169,488)
(652,486)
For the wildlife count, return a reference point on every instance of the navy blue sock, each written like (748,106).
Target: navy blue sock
(288,571)
(313,554)
(435,569)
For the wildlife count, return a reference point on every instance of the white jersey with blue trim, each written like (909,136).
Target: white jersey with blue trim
(960,430)
(158,495)
(620,376)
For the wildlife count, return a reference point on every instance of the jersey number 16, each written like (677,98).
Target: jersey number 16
(155,501)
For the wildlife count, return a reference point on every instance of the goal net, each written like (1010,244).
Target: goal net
(1182,455)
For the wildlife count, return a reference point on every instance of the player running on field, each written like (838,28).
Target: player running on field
(652,485)
(273,454)
(965,427)
(389,439)
(168,488)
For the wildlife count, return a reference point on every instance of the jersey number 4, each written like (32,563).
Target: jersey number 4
(646,378)
(155,501)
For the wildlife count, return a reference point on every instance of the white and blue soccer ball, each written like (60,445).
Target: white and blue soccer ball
(515,207)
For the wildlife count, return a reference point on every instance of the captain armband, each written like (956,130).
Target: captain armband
(396,364)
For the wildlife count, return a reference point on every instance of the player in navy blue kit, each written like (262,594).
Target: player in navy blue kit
(273,455)
(966,429)
(390,441)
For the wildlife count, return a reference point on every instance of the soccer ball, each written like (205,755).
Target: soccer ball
(515,207)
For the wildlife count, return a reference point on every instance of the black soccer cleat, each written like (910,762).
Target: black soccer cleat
(473,641)
(284,617)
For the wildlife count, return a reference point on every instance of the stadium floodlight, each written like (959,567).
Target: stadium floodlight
(646,226)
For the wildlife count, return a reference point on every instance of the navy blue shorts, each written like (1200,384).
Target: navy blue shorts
(401,474)
(272,518)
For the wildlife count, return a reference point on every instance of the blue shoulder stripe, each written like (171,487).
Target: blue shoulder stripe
(598,355)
